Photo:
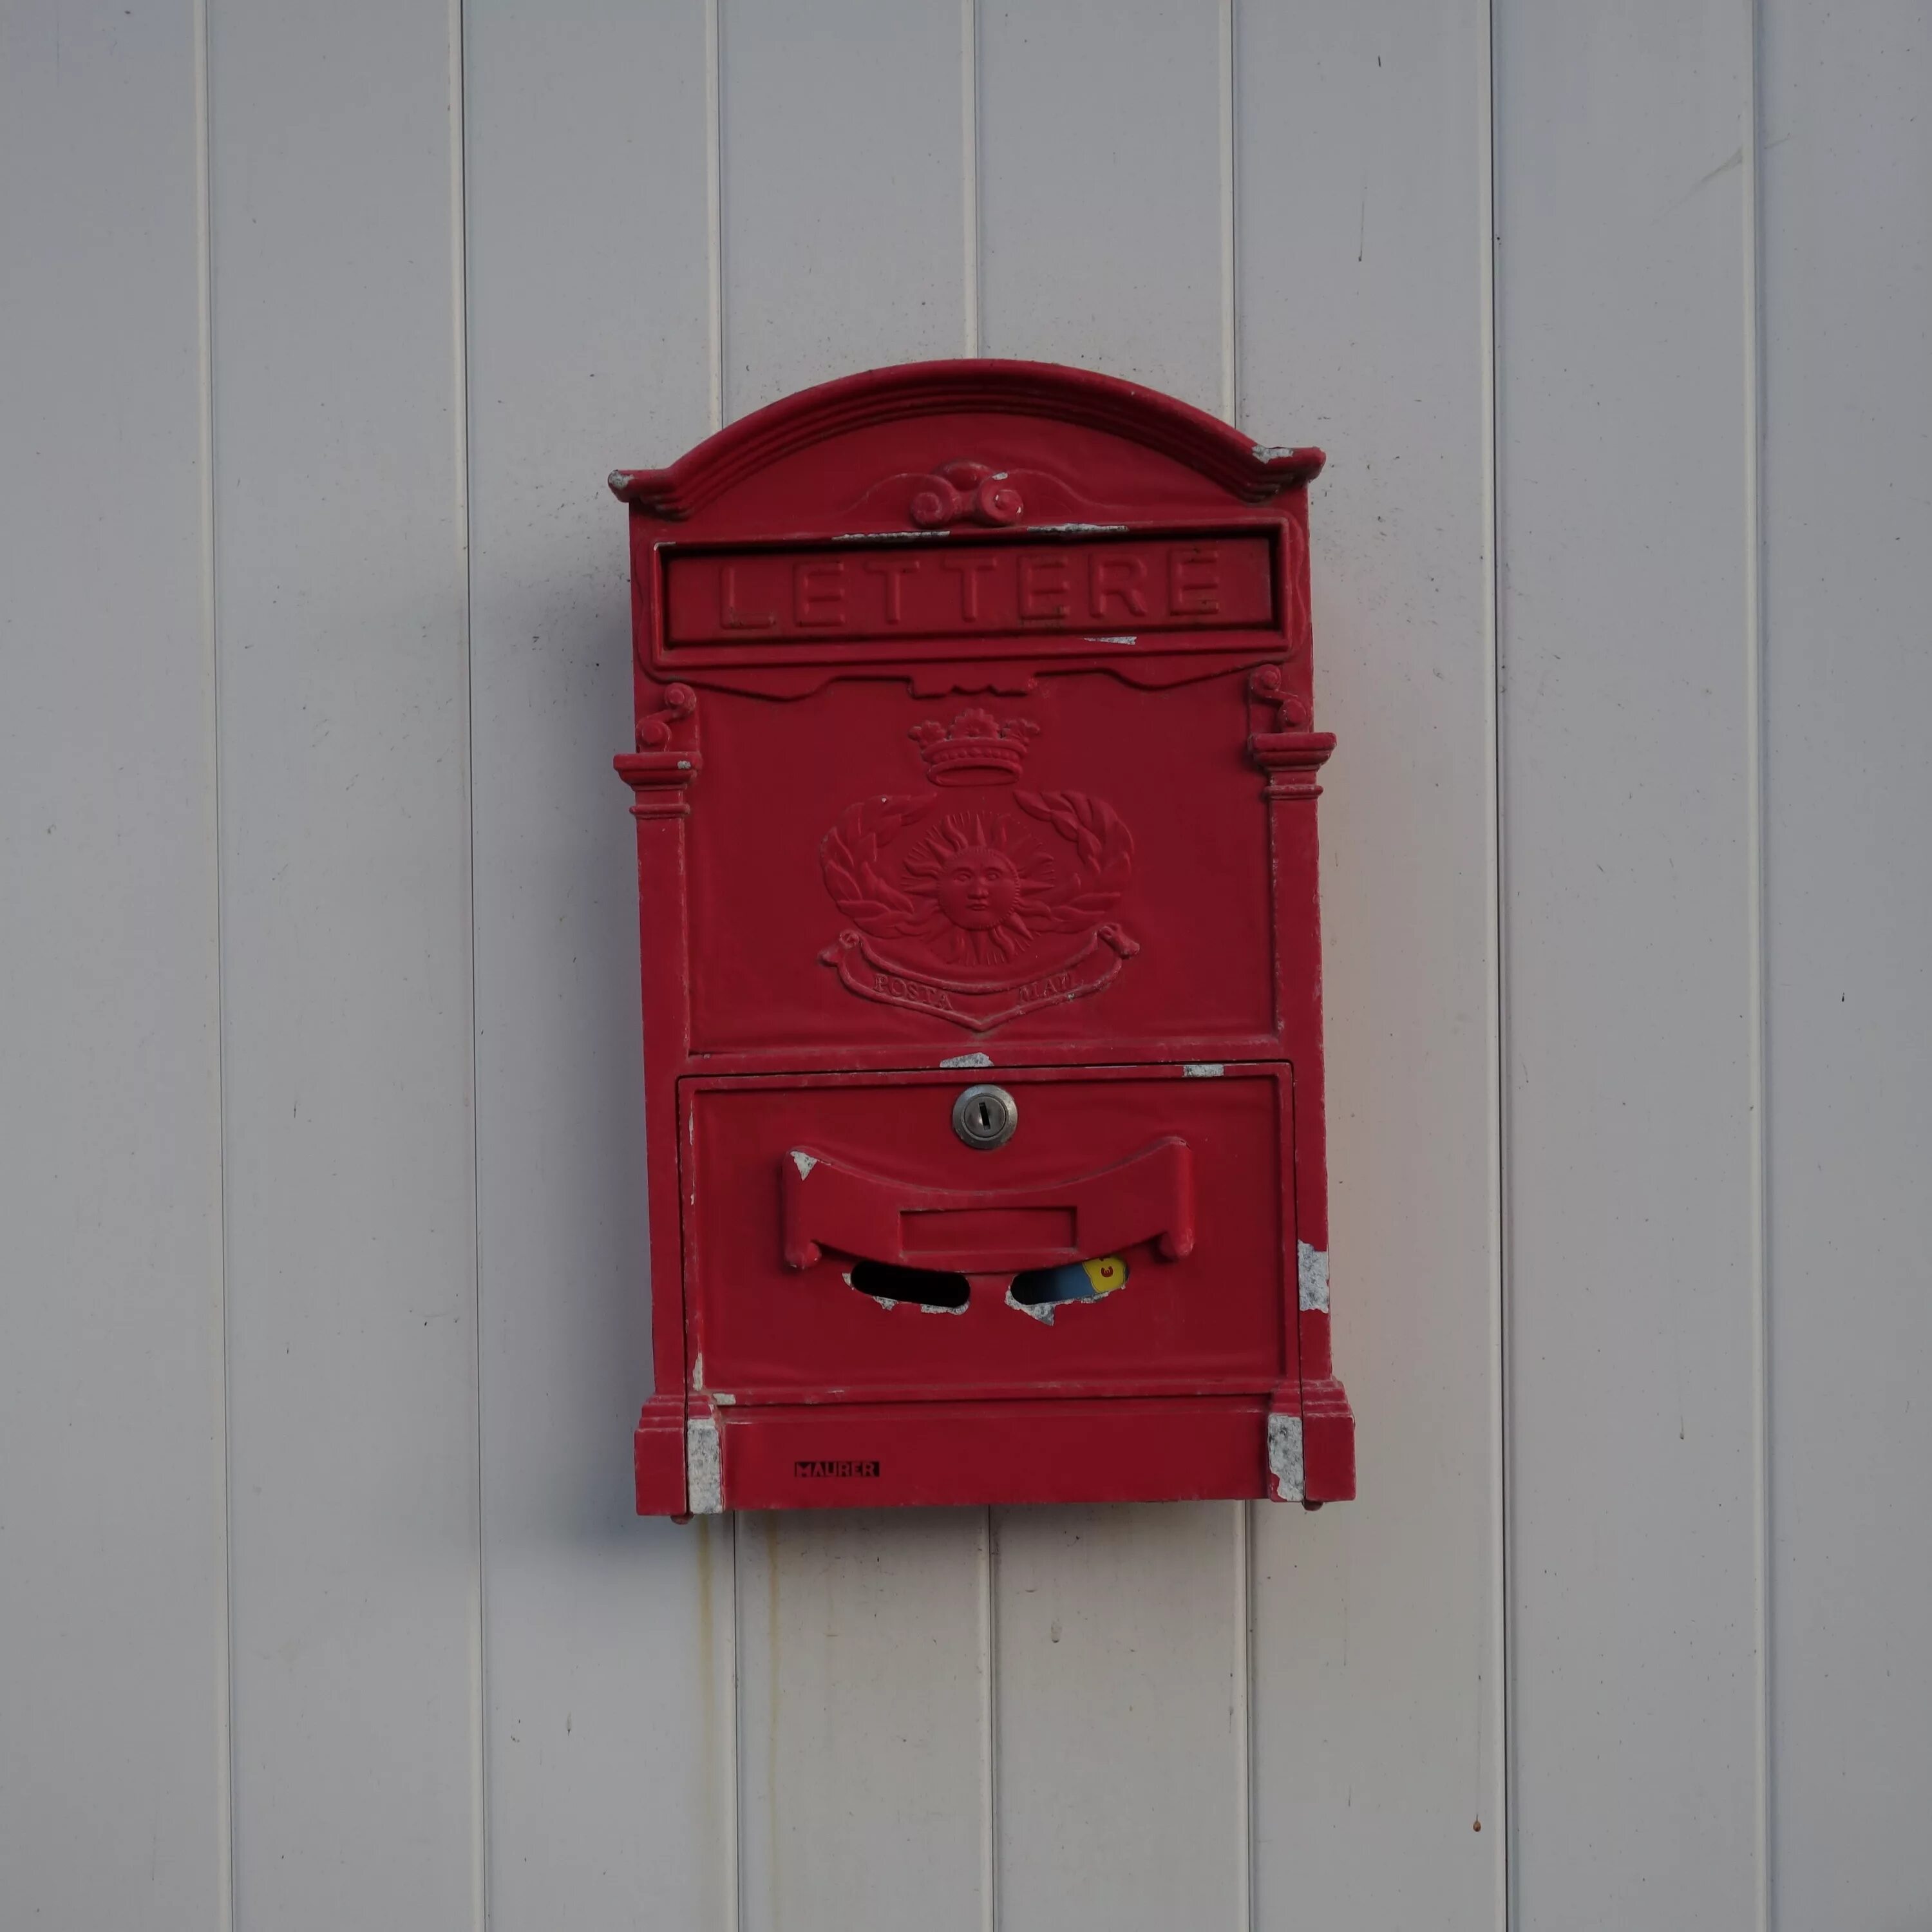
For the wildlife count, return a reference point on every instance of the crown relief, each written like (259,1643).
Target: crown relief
(975,749)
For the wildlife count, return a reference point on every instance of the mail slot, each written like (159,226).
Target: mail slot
(975,780)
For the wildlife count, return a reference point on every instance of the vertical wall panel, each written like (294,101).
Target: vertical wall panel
(1121,1768)
(1102,198)
(843,247)
(862,1776)
(112,1798)
(1848,289)
(1102,188)
(841,190)
(610,1741)
(345,926)
(1122,1792)
(1627,721)
(1361,178)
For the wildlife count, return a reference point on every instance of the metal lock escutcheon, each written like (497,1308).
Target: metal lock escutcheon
(985,1116)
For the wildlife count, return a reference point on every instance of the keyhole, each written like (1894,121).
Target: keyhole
(985,1116)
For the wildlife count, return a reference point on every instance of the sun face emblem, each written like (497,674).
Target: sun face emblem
(980,882)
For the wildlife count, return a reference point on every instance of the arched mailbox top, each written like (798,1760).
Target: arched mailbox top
(1248,471)
(962,513)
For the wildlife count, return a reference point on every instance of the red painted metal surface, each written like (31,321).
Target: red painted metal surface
(974,744)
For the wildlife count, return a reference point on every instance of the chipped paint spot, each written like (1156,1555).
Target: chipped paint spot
(684,764)
(1273,452)
(723,1400)
(889,536)
(1128,640)
(936,1308)
(804,1162)
(969,1060)
(1043,1312)
(703,1467)
(1311,1267)
(1284,1455)
(1075,530)
(1202,1069)
(698,1371)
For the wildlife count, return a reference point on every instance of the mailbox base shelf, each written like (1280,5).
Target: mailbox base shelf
(859,1455)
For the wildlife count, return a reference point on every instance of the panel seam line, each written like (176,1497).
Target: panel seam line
(989,1721)
(1247,1890)
(969,118)
(1757,988)
(459,350)
(1501,1658)
(226,1852)
(714,196)
(1230,375)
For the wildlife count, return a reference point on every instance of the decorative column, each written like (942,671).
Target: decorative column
(660,773)
(1290,756)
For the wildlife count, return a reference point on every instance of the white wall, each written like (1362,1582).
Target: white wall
(323,1318)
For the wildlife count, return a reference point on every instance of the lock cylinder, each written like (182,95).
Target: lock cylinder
(984,1117)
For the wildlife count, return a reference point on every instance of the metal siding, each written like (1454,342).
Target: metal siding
(1623,427)
(113,1744)
(609,1729)
(1848,417)
(1361,180)
(861,1695)
(840,190)
(1605,873)
(345,938)
(1122,1784)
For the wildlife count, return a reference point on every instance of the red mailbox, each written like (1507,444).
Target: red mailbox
(975,789)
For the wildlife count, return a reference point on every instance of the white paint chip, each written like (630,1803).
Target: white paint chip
(969,1060)
(1042,1311)
(698,1371)
(703,1467)
(1202,1069)
(1128,640)
(1311,1267)
(804,1162)
(1284,1455)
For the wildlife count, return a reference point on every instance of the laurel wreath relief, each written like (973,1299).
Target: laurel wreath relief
(1106,849)
(850,856)
(849,853)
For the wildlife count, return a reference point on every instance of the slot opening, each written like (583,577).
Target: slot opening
(927,1288)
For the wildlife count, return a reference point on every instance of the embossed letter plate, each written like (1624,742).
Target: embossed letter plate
(974,744)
